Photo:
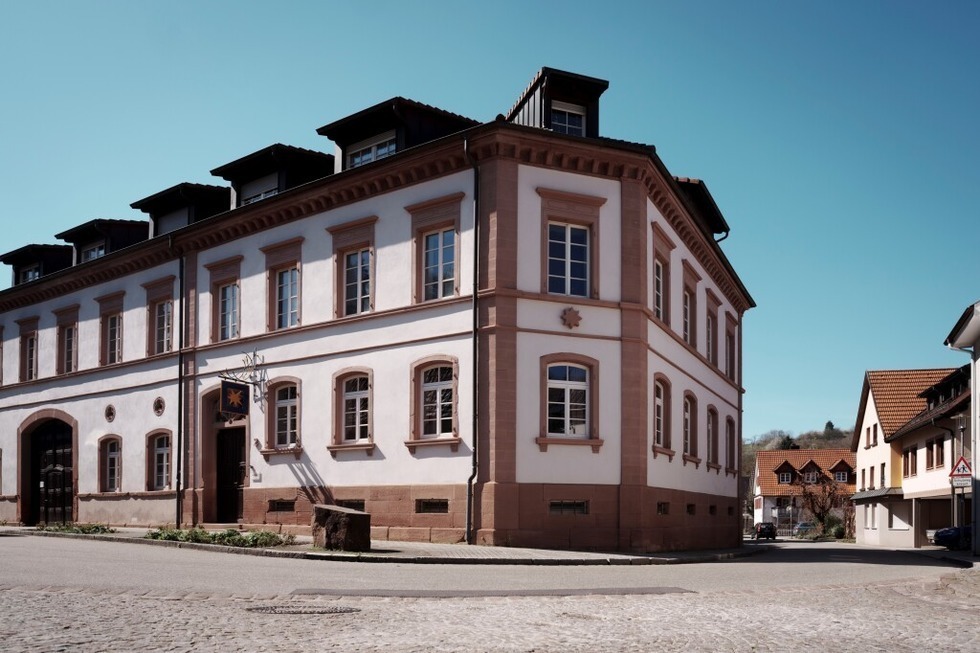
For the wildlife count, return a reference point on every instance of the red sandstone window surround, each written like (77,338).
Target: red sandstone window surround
(354,266)
(434,413)
(353,424)
(435,231)
(569,401)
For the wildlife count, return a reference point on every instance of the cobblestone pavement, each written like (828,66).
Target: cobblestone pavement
(894,616)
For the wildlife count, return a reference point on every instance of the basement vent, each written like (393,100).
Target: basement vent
(712,510)
(663,507)
(431,505)
(569,508)
(692,509)
(353,504)
(282,505)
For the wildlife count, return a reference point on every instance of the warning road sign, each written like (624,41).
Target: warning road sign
(961,468)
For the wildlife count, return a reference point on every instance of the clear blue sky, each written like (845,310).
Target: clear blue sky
(839,138)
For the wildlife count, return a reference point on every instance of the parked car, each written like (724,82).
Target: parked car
(954,537)
(804,528)
(765,530)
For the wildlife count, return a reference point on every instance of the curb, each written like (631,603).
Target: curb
(408,558)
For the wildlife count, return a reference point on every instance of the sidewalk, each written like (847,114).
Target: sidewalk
(421,552)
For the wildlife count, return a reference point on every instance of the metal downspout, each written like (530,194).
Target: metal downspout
(470,498)
(180,388)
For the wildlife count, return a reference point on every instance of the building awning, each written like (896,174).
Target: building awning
(864,495)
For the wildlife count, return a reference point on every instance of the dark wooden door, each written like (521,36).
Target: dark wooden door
(230,476)
(52,490)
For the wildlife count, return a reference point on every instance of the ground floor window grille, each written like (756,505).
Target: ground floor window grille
(569,508)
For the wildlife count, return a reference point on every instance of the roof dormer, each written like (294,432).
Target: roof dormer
(387,128)
(32,262)
(273,170)
(99,237)
(181,205)
(565,103)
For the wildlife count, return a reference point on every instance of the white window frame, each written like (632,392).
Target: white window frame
(785,478)
(567,260)
(437,407)
(659,413)
(357,409)
(69,340)
(564,110)
(228,311)
(29,273)
(163,322)
(30,352)
(574,415)
(372,149)
(840,477)
(658,289)
(113,338)
(811,477)
(112,465)
(287,297)
(287,416)
(92,251)
(161,462)
(357,293)
(443,283)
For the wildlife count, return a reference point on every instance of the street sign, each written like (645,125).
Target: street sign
(961,468)
(960,481)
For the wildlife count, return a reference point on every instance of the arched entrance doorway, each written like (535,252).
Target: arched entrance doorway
(47,483)
(224,463)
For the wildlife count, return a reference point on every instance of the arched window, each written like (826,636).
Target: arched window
(568,401)
(661,413)
(158,461)
(730,444)
(690,425)
(712,427)
(435,395)
(110,464)
(287,416)
(357,410)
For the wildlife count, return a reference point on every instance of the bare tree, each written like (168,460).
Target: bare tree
(821,497)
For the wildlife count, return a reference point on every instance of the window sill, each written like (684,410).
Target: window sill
(295,450)
(595,443)
(366,447)
(664,451)
(688,458)
(453,443)
(713,467)
(731,471)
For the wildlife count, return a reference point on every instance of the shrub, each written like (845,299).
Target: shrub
(79,529)
(227,537)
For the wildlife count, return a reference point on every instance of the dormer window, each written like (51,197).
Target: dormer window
(371,150)
(785,478)
(260,196)
(93,251)
(567,118)
(29,273)
(810,477)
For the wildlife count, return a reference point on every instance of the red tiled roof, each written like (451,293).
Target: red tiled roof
(896,394)
(766,463)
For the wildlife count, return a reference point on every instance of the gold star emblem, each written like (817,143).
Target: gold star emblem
(571,318)
(234,398)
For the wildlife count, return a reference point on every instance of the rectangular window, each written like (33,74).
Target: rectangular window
(283,278)
(909,462)
(567,118)
(940,457)
(93,251)
(363,154)
(864,483)
(432,505)
(163,326)
(66,342)
(730,347)
(568,260)
(287,298)
(568,508)
(712,425)
(111,328)
(882,477)
(353,248)
(659,290)
(711,333)
(874,435)
(785,478)
(690,427)
(568,401)
(357,281)
(730,444)
(29,273)
(228,311)
(662,248)
(29,346)
(810,477)
(840,477)
(439,264)
(111,465)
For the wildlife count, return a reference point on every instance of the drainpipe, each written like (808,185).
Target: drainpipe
(474,470)
(180,386)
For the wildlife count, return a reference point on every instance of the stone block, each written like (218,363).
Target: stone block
(343,529)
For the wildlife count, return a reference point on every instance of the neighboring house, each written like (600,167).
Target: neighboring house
(779,473)
(909,431)
(965,336)
(509,333)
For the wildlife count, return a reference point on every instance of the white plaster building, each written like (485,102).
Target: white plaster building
(512,333)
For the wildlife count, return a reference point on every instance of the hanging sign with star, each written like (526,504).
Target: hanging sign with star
(234,398)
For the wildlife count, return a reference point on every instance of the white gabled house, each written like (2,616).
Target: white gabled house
(509,333)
